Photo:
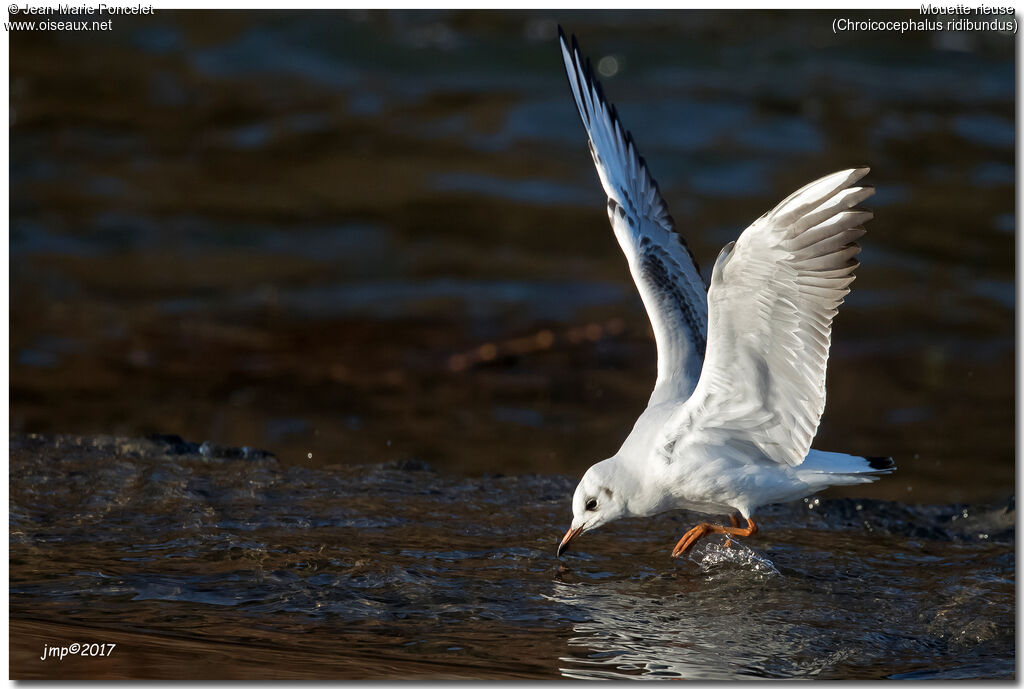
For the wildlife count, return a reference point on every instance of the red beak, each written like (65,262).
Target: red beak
(569,537)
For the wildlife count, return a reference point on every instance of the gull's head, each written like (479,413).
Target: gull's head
(598,500)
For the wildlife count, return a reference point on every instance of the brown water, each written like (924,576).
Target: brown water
(360,238)
(259,569)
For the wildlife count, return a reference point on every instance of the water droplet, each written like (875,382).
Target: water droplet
(608,66)
(309,455)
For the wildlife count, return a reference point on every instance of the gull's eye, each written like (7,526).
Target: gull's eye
(591,504)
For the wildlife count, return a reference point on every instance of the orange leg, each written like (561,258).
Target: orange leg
(735,521)
(698,532)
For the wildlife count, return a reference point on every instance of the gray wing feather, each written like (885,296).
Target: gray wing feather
(664,270)
(773,295)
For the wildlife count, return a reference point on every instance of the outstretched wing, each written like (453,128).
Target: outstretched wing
(773,295)
(662,266)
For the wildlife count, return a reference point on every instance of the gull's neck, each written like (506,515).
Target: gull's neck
(641,494)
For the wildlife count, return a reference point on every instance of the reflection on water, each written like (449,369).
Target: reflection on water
(188,550)
(829,617)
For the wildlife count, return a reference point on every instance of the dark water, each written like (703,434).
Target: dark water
(374,241)
(191,551)
(308,231)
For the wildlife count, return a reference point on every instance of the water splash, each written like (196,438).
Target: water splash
(712,556)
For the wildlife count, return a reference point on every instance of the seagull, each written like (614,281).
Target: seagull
(741,362)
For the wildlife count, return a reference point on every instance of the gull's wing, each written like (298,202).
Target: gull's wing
(662,266)
(773,295)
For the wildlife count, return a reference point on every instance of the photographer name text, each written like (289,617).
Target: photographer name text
(82,10)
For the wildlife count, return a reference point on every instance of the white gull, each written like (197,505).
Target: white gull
(741,363)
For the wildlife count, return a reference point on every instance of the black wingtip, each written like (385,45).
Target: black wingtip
(881,463)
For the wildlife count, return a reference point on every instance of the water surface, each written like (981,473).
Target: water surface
(304,230)
(239,566)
